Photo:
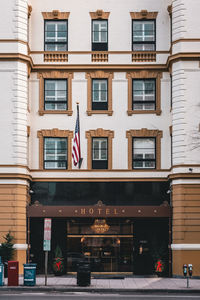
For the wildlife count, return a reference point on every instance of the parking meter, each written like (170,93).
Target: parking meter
(185,270)
(190,269)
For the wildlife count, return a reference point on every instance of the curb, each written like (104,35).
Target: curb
(96,290)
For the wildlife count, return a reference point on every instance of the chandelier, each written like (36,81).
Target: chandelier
(100,226)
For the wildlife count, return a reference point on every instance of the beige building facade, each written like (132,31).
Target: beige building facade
(134,69)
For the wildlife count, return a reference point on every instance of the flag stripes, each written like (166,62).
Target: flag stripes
(76,150)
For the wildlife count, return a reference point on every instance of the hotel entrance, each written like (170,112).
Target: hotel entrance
(106,244)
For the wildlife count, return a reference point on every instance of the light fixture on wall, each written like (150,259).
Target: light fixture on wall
(100,226)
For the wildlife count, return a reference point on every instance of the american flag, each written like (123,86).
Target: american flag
(76,148)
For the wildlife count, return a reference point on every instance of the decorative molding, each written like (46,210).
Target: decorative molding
(99,75)
(20,246)
(55,132)
(144,132)
(55,57)
(55,75)
(55,14)
(29,10)
(99,14)
(185,247)
(99,57)
(144,14)
(99,133)
(142,56)
(144,74)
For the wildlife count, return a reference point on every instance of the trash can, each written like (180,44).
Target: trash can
(13,273)
(30,274)
(83,274)
(1,273)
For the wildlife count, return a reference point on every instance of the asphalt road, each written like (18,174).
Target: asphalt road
(90,296)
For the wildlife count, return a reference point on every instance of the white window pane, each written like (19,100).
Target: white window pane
(96,26)
(50,85)
(103,36)
(61,84)
(50,47)
(103,85)
(103,96)
(104,154)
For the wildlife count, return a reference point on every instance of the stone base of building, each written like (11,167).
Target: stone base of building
(181,257)
(13,202)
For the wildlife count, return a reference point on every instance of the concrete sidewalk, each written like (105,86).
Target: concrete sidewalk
(126,285)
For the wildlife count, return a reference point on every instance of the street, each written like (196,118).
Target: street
(86,296)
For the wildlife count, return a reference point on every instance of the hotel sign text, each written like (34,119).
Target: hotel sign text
(100,211)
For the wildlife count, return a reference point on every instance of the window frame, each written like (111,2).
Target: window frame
(56,90)
(55,133)
(143,102)
(55,43)
(55,154)
(141,75)
(99,133)
(144,42)
(144,133)
(100,104)
(99,75)
(99,46)
(55,75)
(143,160)
(100,163)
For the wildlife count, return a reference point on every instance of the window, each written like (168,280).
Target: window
(144,149)
(144,94)
(144,153)
(99,35)
(99,149)
(55,149)
(99,153)
(99,89)
(56,35)
(99,94)
(55,94)
(55,153)
(144,35)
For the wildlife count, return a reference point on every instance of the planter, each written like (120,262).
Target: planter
(58,266)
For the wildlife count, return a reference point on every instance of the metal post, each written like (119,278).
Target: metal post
(187,281)
(46,265)
(28,240)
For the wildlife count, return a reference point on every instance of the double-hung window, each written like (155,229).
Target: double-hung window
(55,91)
(144,94)
(55,153)
(144,35)
(144,153)
(56,35)
(99,153)
(99,94)
(99,35)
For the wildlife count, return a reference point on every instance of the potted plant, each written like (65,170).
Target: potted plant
(58,262)
(159,254)
(7,251)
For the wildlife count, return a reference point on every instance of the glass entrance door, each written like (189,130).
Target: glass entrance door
(108,252)
(104,253)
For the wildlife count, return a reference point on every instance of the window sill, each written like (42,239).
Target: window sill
(55,56)
(44,112)
(92,112)
(135,112)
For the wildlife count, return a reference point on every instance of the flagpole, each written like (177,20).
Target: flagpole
(80,160)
